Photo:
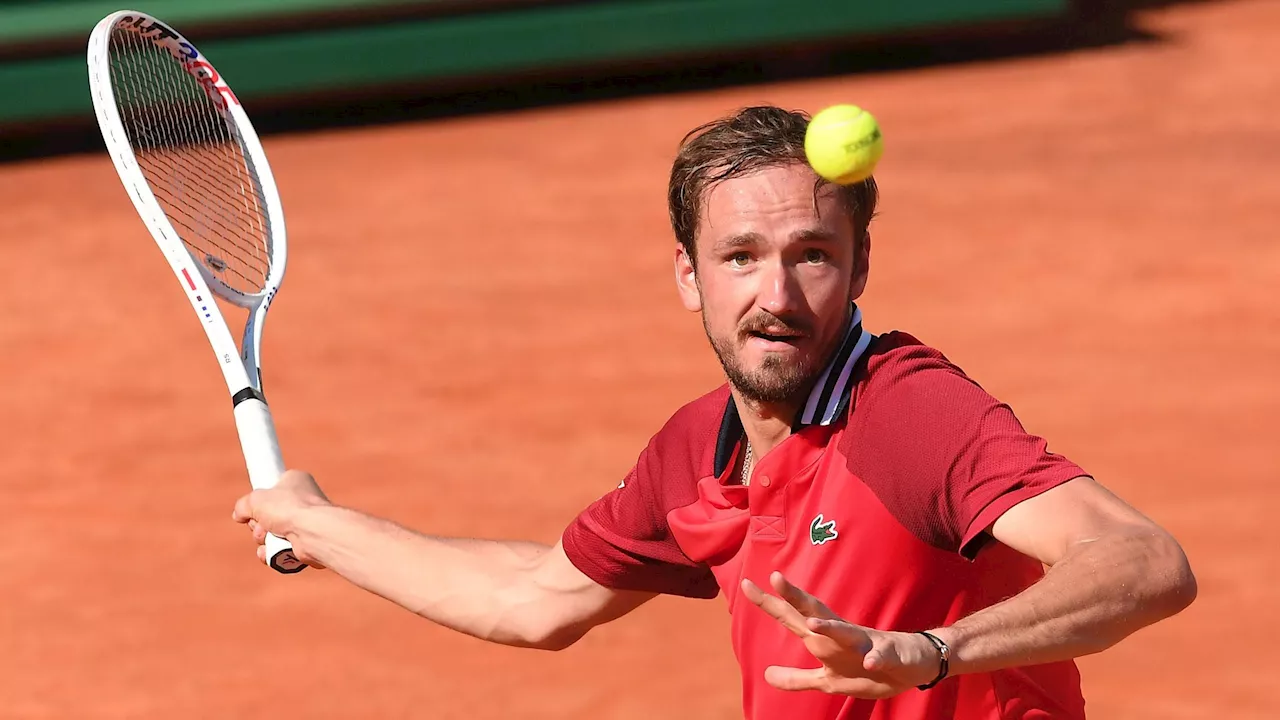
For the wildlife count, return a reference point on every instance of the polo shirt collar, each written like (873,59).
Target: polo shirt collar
(827,401)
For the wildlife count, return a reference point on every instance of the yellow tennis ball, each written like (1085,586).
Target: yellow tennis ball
(843,144)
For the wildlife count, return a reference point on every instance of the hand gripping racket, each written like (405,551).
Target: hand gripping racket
(192,164)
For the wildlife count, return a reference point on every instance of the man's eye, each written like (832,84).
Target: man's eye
(740,259)
(814,256)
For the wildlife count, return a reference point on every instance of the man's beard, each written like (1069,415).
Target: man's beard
(776,380)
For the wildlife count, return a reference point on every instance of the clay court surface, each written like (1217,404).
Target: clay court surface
(478,332)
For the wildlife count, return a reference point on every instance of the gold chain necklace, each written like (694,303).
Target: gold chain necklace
(746,465)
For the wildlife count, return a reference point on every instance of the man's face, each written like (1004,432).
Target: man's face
(776,273)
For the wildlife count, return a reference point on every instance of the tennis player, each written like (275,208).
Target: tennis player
(878,523)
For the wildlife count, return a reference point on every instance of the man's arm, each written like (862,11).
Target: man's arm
(1111,572)
(515,593)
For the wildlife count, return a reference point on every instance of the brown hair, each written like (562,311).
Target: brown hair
(739,144)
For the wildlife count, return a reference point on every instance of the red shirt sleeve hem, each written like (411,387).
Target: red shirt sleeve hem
(975,537)
(661,579)
(583,560)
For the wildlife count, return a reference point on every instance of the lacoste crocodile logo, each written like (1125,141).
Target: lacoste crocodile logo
(820,532)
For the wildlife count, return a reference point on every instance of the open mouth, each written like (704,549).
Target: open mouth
(776,337)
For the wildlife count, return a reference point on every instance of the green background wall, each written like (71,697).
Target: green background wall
(278,48)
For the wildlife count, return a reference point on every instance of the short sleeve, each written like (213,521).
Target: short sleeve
(944,456)
(623,541)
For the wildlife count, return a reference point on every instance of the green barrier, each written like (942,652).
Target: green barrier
(33,20)
(522,39)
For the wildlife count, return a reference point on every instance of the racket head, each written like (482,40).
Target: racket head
(189,156)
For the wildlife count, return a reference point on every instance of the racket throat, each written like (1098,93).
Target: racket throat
(249,393)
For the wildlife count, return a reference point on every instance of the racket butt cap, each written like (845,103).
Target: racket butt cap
(280,556)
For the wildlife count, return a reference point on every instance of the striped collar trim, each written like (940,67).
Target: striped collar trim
(826,404)
(830,395)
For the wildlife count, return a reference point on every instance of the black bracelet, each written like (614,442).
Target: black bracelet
(945,665)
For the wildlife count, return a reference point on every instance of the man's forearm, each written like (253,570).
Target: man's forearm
(478,587)
(1095,596)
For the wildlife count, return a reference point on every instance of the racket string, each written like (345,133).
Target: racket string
(194,161)
(236,247)
(179,180)
(144,134)
(213,123)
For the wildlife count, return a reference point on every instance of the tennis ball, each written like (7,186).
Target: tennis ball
(843,144)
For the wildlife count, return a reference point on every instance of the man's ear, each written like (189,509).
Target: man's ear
(687,280)
(861,268)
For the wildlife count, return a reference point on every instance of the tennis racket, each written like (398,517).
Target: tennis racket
(192,164)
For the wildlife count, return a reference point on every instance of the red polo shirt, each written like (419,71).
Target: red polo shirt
(878,504)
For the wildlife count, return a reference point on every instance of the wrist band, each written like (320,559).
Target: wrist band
(944,665)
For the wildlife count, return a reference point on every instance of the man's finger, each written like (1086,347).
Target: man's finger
(790,678)
(787,678)
(848,635)
(243,511)
(799,599)
(776,607)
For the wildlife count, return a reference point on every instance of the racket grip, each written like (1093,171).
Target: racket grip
(262,458)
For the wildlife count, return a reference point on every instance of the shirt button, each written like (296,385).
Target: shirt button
(765,481)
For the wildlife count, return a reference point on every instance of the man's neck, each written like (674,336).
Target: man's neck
(765,424)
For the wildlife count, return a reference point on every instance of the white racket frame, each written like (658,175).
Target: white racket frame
(240,368)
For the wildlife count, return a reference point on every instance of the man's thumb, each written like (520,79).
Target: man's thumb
(243,510)
(877,660)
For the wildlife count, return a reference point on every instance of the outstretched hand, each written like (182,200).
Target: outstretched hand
(855,660)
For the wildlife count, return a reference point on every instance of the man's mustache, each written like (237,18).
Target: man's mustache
(765,323)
